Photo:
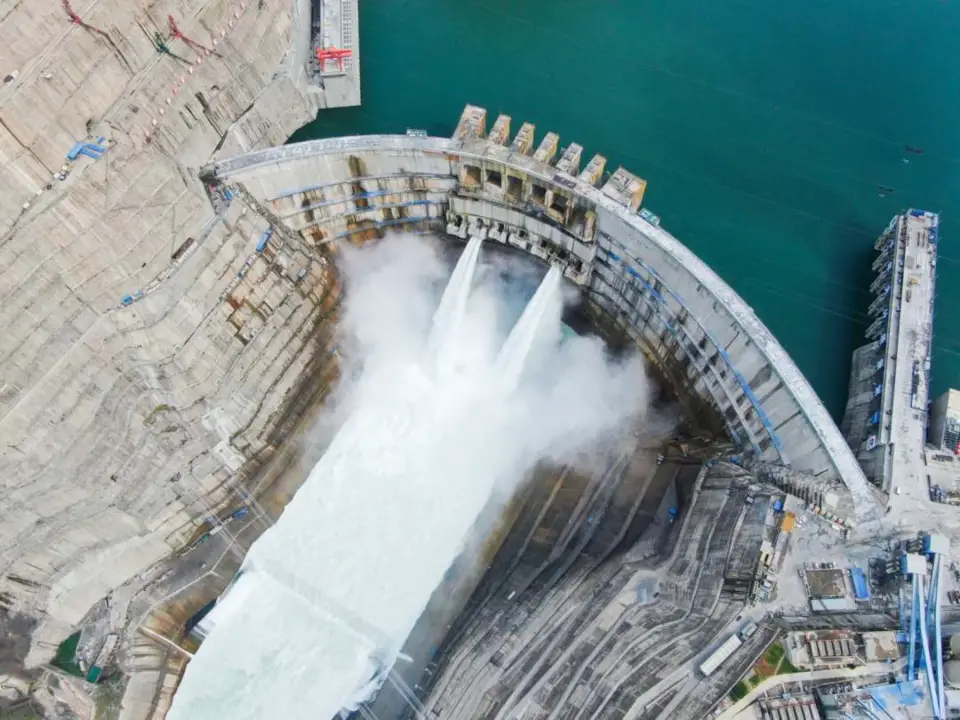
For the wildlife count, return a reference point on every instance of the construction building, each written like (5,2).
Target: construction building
(825,649)
(829,589)
(790,707)
(821,649)
(899,701)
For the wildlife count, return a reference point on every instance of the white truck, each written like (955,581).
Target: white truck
(720,655)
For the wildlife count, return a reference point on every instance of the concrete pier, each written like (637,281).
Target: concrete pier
(886,417)
(332,28)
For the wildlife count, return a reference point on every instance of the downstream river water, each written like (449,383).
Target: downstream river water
(765,130)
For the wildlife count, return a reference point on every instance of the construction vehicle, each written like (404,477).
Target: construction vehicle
(332,53)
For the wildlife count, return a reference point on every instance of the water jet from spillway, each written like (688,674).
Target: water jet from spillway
(519,343)
(453,305)
(387,509)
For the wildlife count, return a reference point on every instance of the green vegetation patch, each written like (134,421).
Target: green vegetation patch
(66,658)
(24,713)
(786,668)
(773,662)
(151,418)
(109,695)
(774,654)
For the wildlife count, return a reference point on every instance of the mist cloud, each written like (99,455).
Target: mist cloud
(425,446)
(572,395)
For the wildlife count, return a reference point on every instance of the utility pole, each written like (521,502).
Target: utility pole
(161,46)
(177,34)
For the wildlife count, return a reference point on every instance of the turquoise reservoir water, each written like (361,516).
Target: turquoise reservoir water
(765,130)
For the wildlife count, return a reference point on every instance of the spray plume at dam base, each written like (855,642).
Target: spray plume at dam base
(446,415)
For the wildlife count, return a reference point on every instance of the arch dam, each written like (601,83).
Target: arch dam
(635,277)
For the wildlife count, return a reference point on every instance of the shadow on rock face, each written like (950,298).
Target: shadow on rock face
(15,631)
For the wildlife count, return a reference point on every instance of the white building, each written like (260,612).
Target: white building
(945,422)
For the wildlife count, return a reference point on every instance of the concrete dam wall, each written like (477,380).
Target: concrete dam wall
(705,338)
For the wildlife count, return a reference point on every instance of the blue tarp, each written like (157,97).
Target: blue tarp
(75,151)
(128,299)
(778,505)
(264,239)
(89,149)
(860,586)
(908,693)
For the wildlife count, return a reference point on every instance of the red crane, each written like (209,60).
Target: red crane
(332,53)
(178,35)
(77,20)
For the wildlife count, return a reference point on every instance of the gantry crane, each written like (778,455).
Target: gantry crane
(332,53)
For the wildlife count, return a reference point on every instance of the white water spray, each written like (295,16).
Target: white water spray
(329,594)
(449,316)
(514,354)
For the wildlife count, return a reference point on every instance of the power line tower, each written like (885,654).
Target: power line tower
(177,34)
(160,43)
(77,20)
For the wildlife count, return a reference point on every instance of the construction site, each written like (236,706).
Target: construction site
(177,274)
(606,620)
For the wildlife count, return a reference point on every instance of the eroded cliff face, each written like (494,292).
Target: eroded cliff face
(148,349)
